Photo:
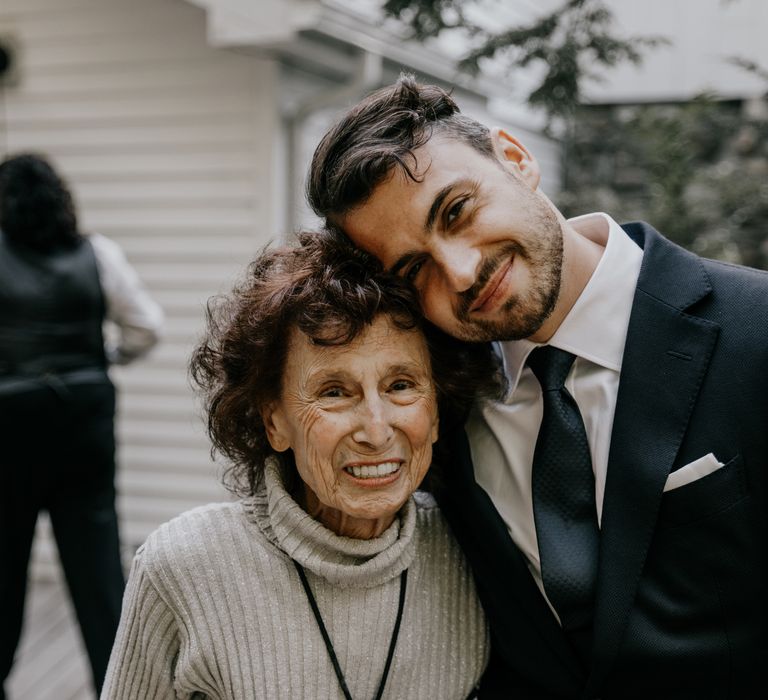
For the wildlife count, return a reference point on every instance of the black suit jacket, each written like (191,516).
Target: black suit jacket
(682,609)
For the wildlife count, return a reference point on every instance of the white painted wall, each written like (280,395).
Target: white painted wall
(168,145)
(703,34)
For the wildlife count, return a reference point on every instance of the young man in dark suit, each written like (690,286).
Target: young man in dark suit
(613,502)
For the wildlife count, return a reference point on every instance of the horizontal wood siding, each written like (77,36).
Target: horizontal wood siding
(168,144)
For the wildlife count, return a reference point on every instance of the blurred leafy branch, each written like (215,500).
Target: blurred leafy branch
(750,66)
(567,44)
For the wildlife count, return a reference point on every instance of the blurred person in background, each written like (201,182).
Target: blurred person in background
(57,403)
(330,577)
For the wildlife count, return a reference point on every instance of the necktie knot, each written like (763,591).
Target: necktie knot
(550,365)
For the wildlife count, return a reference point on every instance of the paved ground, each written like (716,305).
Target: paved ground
(51,662)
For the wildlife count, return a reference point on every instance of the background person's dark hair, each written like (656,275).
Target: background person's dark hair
(381,133)
(330,291)
(36,207)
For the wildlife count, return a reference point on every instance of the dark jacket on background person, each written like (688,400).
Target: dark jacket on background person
(51,312)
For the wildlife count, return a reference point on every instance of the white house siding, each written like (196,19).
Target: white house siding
(168,144)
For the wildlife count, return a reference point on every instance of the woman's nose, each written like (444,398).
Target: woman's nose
(374,426)
(458,263)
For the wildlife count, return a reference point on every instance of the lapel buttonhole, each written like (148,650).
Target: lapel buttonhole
(679,355)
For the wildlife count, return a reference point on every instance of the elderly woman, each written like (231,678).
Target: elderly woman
(330,577)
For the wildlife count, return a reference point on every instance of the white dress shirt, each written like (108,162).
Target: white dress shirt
(502,434)
(135,317)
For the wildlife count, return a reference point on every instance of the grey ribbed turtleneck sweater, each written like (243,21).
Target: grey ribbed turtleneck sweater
(214,608)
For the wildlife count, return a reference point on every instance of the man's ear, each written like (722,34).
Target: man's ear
(515,156)
(276,428)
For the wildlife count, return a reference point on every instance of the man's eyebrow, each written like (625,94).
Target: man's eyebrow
(437,202)
(402,261)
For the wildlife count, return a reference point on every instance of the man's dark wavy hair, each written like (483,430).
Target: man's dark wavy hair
(36,207)
(379,134)
(330,291)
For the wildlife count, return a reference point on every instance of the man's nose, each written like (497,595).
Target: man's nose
(374,425)
(458,263)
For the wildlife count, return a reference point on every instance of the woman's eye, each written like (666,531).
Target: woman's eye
(334,392)
(401,385)
(453,213)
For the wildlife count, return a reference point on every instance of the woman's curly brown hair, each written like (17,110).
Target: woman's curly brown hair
(36,206)
(331,292)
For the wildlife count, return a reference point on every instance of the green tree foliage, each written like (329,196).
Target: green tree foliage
(569,45)
(698,171)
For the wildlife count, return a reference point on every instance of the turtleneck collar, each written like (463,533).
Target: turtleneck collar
(342,561)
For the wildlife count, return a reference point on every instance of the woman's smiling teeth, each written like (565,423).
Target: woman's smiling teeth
(370,471)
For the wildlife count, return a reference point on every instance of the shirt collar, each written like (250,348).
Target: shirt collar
(596,327)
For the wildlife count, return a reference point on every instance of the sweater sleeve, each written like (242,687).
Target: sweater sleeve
(146,648)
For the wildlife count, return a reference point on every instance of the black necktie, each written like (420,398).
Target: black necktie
(564,495)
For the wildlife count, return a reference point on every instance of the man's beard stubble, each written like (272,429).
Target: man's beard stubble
(525,312)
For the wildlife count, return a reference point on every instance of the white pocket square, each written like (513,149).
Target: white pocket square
(691,472)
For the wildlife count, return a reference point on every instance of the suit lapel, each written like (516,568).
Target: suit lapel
(665,359)
(497,561)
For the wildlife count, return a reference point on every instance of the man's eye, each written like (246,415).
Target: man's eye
(412,272)
(453,213)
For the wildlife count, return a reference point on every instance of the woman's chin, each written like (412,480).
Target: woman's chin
(369,518)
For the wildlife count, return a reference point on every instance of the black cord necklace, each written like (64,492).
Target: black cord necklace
(329,644)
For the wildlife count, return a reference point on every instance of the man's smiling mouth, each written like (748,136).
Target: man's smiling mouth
(486,295)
